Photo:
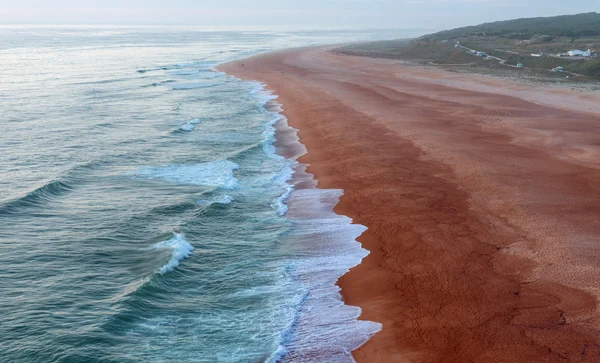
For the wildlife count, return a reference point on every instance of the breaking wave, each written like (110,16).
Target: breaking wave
(215,173)
(180,249)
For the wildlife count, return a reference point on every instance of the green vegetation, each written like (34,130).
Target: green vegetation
(571,26)
(537,43)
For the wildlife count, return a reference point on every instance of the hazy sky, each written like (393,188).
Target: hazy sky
(428,14)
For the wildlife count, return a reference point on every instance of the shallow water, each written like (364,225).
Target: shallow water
(146,214)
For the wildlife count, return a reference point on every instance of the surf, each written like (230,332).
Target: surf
(214,173)
(180,249)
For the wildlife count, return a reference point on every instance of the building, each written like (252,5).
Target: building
(579,53)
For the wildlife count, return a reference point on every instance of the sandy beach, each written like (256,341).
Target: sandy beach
(481,197)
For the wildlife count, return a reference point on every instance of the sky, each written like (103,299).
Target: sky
(359,14)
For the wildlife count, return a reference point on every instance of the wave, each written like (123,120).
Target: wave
(259,91)
(186,72)
(180,249)
(282,179)
(180,67)
(269,137)
(215,74)
(264,97)
(156,84)
(36,197)
(172,209)
(100,82)
(323,328)
(189,125)
(163,68)
(41,196)
(215,173)
(189,86)
(223,200)
(244,150)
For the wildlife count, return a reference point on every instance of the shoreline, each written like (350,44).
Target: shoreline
(502,283)
(324,327)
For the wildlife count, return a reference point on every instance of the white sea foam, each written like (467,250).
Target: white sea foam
(225,199)
(190,72)
(264,96)
(180,249)
(282,179)
(222,199)
(328,241)
(214,74)
(269,137)
(188,86)
(256,88)
(280,203)
(189,125)
(215,173)
(323,328)
(185,65)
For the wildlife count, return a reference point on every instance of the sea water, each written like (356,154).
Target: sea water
(145,213)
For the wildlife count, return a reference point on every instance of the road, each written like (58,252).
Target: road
(503,61)
(500,60)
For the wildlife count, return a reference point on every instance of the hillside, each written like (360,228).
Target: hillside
(531,45)
(571,26)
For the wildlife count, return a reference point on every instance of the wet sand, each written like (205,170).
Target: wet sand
(482,199)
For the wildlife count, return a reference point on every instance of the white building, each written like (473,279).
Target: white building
(579,53)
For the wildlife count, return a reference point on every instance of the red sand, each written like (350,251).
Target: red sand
(482,199)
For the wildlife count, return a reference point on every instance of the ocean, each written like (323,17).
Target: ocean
(146,211)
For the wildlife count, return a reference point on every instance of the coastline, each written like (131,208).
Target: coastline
(501,284)
(324,248)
